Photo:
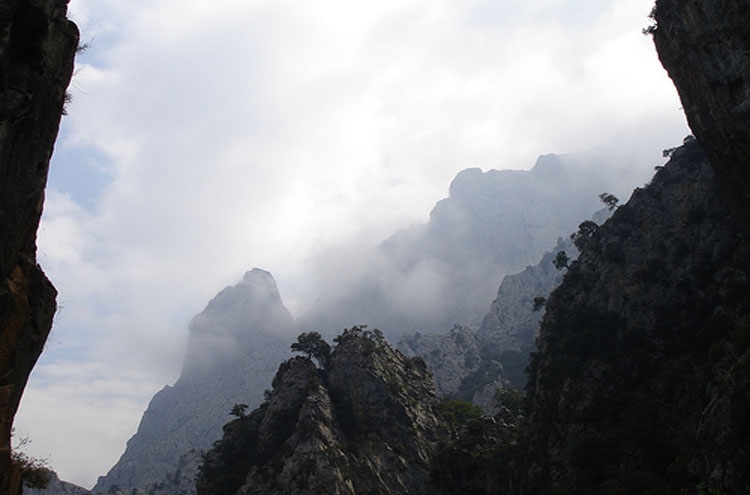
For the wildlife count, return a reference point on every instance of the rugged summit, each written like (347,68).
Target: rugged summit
(641,381)
(705,47)
(363,424)
(233,351)
(37,46)
(430,277)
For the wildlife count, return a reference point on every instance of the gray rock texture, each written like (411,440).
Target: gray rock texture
(234,349)
(705,47)
(37,46)
(472,365)
(641,382)
(365,424)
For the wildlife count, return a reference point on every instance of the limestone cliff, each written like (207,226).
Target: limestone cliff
(364,424)
(705,47)
(37,46)
(234,348)
(641,381)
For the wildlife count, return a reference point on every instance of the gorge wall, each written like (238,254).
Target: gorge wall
(704,46)
(37,47)
(641,380)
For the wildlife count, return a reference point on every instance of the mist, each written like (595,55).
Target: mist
(206,139)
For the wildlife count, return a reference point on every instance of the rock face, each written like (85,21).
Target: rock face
(234,349)
(364,424)
(512,324)
(705,47)
(641,383)
(430,277)
(37,46)
(472,365)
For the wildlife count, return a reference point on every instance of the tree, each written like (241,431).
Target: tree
(239,410)
(610,200)
(34,472)
(539,303)
(586,231)
(561,260)
(314,346)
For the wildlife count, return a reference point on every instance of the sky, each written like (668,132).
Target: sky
(206,138)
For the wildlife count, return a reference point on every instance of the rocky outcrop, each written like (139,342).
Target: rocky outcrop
(641,381)
(364,424)
(234,349)
(37,46)
(705,47)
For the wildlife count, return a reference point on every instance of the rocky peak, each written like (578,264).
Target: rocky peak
(234,347)
(364,424)
(234,319)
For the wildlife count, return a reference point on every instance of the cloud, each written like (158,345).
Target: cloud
(225,135)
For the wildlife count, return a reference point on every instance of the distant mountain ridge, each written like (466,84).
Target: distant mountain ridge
(429,277)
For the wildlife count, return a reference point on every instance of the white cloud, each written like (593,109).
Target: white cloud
(241,134)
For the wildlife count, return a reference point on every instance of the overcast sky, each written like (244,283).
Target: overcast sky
(208,137)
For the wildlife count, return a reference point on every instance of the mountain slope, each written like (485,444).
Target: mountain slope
(234,347)
(364,424)
(643,355)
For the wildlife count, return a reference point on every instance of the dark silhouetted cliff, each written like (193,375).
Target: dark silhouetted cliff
(37,46)
(705,47)
(641,382)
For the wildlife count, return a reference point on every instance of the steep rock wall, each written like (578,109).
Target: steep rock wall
(364,424)
(235,345)
(705,47)
(641,381)
(37,46)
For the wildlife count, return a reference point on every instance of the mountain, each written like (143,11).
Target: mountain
(472,365)
(640,383)
(234,348)
(430,277)
(363,424)
(704,46)
(37,47)
(176,423)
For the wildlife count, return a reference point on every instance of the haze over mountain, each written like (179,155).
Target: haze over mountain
(433,276)
(422,277)
(305,126)
(235,346)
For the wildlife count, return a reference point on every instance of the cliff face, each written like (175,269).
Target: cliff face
(364,424)
(472,365)
(234,348)
(705,47)
(641,381)
(37,46)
